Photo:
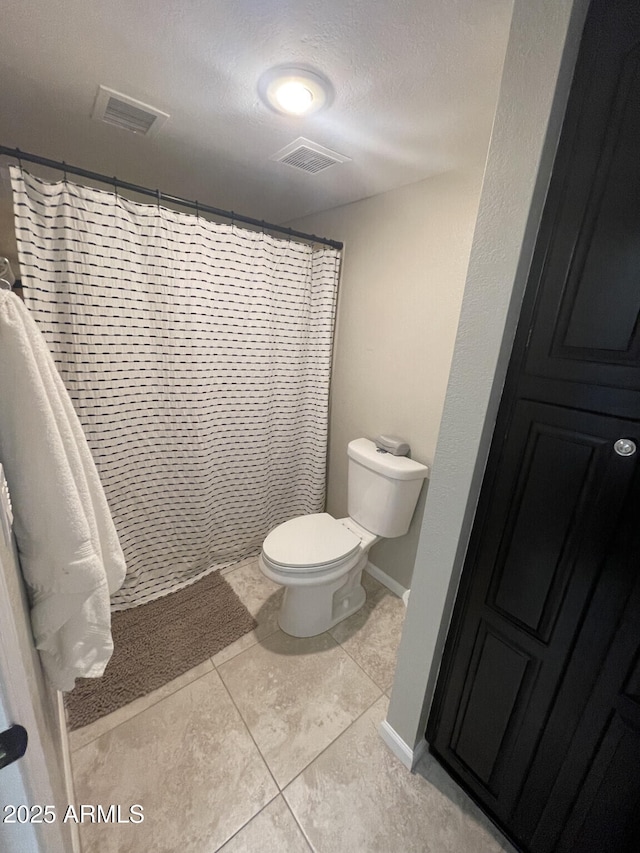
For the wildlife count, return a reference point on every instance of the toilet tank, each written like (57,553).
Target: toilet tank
(382,489)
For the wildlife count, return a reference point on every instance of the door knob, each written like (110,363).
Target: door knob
(625,447)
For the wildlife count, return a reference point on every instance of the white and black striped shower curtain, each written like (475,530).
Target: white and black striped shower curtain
(198,357)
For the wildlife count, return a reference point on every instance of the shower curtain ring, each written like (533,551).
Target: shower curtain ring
(115,186)
(64,172)
(159,197)
(19,156)
(197,210)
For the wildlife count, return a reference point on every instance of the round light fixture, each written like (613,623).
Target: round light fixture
(294,91)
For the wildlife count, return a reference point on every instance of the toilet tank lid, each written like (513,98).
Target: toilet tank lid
(396,467)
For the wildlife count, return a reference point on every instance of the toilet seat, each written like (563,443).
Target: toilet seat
(310,543)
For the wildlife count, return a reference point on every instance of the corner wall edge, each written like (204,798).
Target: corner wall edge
(409,757)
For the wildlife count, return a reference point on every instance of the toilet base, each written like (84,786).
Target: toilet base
(311,610)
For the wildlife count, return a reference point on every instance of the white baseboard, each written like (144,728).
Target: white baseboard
(409,757)
(385,579)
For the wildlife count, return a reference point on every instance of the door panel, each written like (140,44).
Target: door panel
(602,321)
(545,514)
(587,328)
(496,680)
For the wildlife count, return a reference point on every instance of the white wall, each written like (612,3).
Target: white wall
(540,58)
(404,266)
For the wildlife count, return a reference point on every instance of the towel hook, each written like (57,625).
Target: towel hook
(7,278)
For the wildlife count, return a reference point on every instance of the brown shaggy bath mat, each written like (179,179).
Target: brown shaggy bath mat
(158,641)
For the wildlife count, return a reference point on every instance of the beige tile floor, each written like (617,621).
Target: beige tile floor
(272,746)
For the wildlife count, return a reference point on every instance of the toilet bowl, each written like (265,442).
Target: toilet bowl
(319,559)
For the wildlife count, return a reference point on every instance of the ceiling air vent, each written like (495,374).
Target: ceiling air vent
(127,113)
(308,156)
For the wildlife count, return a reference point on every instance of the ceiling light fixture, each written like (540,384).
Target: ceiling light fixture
(294,91)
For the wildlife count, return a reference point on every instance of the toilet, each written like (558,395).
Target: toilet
(319,559)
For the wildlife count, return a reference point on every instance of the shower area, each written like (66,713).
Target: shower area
(198,359)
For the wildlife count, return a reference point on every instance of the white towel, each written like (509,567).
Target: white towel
(69,551)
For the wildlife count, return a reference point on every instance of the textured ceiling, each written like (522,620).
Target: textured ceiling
(415,86)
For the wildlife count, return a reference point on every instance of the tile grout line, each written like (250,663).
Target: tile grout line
(223,573)
(336,738)
(148,707)
(242,651)
(246,823)
(338,646)
(245,561)
(264,761)
(282,792)
(245,724)
(298,824)
(359,665)
(382,693)
(282,789)
(382,590)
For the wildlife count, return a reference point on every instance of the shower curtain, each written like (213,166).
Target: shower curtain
(198,358)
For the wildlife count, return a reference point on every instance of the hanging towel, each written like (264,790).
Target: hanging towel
(69,551)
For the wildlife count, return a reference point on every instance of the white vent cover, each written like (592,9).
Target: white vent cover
(308,156)
(127,113)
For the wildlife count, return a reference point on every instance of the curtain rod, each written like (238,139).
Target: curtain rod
(61,166)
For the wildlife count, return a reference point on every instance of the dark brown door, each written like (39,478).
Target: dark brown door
(537,710)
